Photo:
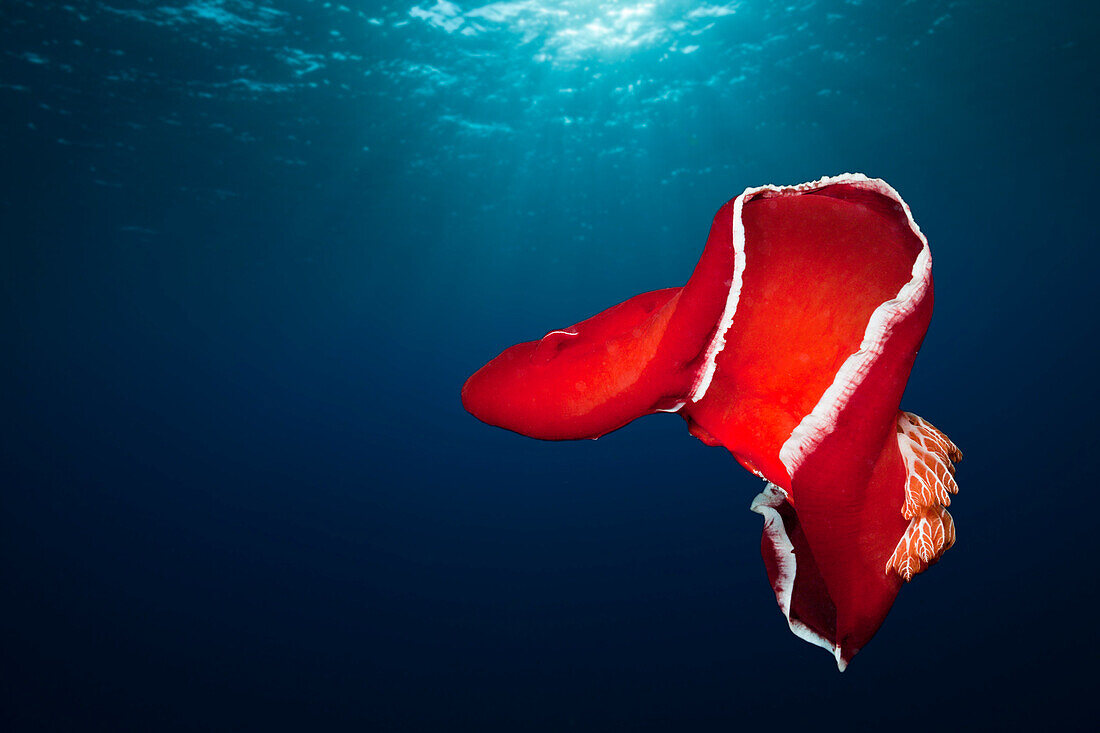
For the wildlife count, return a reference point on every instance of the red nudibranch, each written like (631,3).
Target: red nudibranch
(790,346)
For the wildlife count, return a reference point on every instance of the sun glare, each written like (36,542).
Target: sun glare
(565,31)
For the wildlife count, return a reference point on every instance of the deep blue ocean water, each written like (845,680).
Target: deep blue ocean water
(251,251)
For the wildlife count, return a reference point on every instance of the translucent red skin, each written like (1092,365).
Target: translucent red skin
(565,388)
(817,266)
(635,358)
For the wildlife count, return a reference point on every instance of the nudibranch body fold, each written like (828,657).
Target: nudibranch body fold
(585,380)
(790,346)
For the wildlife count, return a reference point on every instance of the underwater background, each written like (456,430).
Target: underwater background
(252,249)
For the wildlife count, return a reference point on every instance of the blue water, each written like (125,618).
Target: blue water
(251,252)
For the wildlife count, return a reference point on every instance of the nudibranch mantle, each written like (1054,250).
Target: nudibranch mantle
(790,346)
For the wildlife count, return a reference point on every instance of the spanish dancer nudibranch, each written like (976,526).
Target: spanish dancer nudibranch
(790,346)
